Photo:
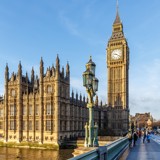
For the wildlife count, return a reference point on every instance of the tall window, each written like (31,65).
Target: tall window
(1,112)
(48,125)
(61,125)
(37,110)
(37,125)
(12,110)
(62,91)
(119,126)
(48,109)
(30,110)
(65,125)
(13,92)
(12,125)
(24,110)
(24,125)
(49,89)
(75,128)
(1,125)
(30,125)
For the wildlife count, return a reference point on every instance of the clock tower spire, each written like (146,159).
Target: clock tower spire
(117,28)
(117,20)
(118,72)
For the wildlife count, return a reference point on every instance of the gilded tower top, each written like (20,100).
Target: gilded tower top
(117,29)
(117,20)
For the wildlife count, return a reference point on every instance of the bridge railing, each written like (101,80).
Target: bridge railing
(110,151)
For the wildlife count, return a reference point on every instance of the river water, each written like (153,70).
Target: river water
(34,154)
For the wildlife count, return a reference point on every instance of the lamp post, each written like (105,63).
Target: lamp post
(91,84)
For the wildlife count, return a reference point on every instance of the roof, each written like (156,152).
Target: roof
(117,20)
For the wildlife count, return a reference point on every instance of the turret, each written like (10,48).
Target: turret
(84,99)
(41,69)
(19,104)
(6,74)
(57,98)
(32,76)
(96,101)
(6,104)
(41,77)
(72,95)
(26,77)
(76,96)
(80,98)
(62,72)
(41,99)
(67,71)
(101,104)
(20,71)
(57,65)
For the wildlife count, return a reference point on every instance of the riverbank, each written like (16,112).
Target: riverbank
(30,145)
(65,144)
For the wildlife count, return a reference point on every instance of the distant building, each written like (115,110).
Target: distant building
(142,120)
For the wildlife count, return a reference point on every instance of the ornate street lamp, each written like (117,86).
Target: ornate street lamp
(91,84)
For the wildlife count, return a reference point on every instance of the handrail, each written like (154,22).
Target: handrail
(110,151)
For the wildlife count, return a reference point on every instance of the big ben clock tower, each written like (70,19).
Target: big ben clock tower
(118,67)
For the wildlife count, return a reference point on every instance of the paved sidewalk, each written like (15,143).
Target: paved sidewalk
(143,151)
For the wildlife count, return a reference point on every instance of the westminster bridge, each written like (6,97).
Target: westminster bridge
(120,150)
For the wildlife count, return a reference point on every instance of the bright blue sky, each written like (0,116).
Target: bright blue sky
(76,29)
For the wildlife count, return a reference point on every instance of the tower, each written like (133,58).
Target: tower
(6,104)
(41,88)
(19,104)
(118,71)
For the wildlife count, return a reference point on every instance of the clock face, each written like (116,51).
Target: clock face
(116,54)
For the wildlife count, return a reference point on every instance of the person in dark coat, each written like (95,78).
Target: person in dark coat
(135,137)
(144,136)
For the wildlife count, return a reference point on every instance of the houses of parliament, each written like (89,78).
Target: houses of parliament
(40,108)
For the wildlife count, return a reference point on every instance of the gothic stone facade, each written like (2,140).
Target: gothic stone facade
(141,121)
(41,109)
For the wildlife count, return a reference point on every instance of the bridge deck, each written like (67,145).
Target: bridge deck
(143,151)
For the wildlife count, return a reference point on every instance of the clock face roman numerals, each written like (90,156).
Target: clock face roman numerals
(116,54)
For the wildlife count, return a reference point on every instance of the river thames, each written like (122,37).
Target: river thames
(34,154)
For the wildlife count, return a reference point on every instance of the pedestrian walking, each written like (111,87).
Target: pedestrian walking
(144,136)
(135,137)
